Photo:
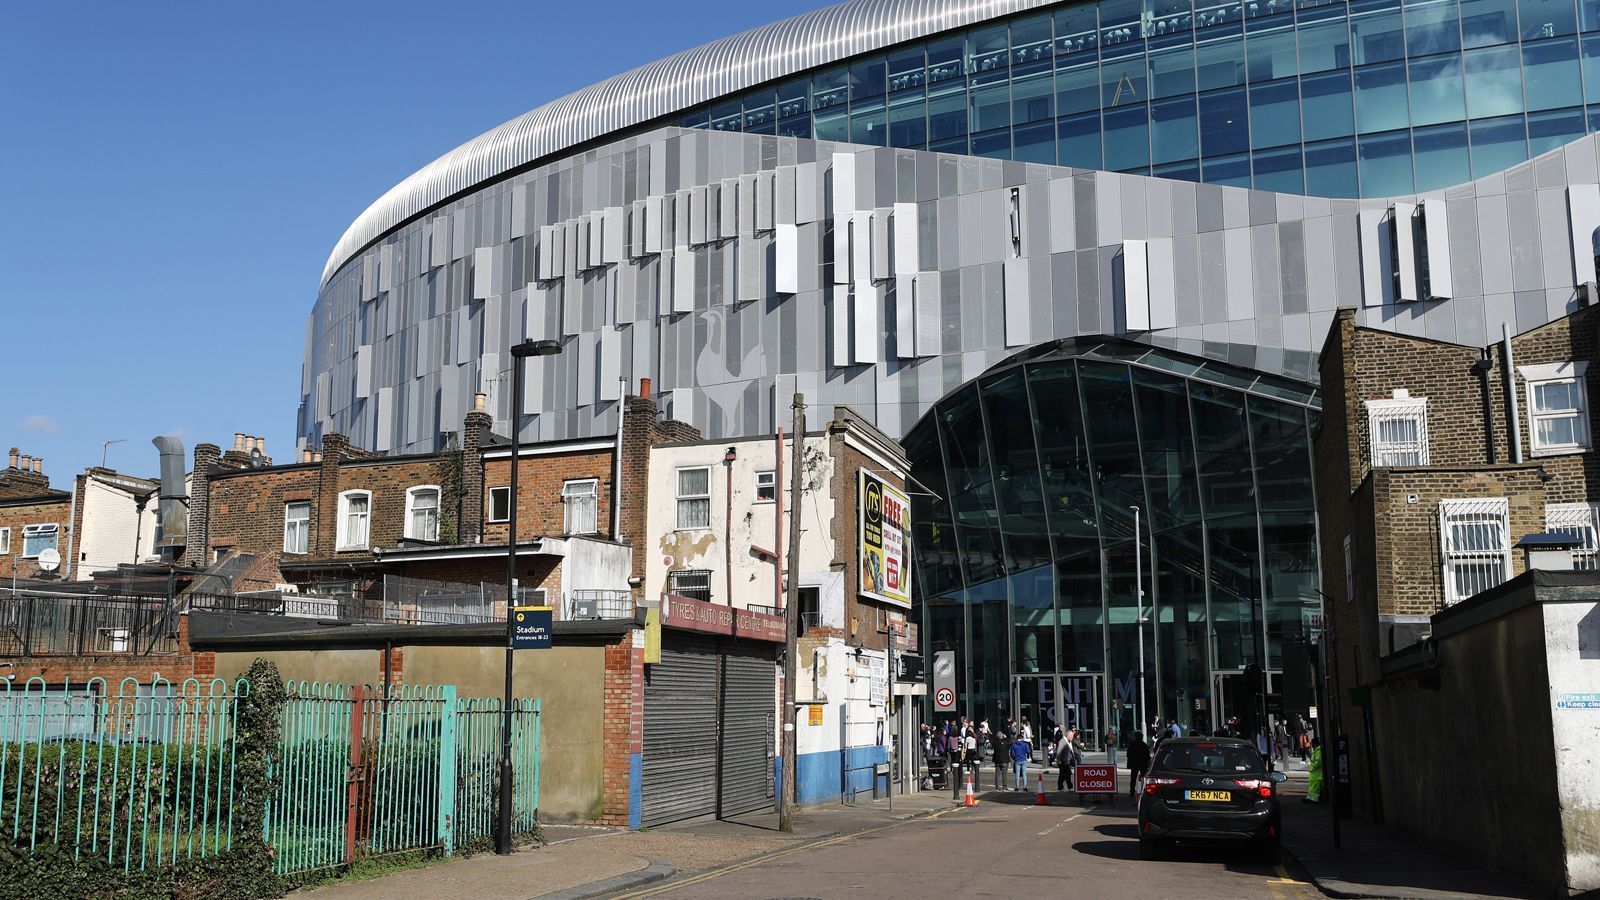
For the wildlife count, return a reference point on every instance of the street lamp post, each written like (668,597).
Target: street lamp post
(1138,593)
(502,838)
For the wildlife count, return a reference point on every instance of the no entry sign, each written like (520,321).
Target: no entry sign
(1096,779)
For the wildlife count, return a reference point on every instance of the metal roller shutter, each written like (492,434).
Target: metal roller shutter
(678,778)
(749,683)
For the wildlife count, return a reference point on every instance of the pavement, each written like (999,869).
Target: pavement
(929,843)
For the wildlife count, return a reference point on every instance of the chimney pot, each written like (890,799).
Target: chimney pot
(14,457)
(478,402)
(27,463)
(644,388)
(38,465)
(316,457)
(238,440)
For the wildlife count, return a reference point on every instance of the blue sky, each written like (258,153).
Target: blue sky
(174,175)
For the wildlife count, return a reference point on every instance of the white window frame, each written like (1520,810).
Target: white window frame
(1567,372)
(343,527)
(504,490)
(572,491)
(411,507)
(40,528)
(1489,513)
(1581,520)
(5,540)
(1397,453)
(767,480)
(303,531)
(683,498)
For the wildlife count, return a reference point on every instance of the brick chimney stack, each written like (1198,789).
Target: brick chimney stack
(474,429)
(197,552)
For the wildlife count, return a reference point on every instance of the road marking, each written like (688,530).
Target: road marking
(1060,823)
(768,857)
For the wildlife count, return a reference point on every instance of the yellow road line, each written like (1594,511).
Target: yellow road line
(826,842)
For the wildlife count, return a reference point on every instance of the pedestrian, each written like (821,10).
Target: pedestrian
(1305,743)
(1174,729)
(1066,757)
(1314,775)
(1021,752)
(1111,747)
(1000,748)
(1230,728)
(1138,762)
(1027,730)
(1264,747)
(1280,740)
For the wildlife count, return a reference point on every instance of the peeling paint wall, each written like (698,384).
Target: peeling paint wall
(751,532)
(1572,655)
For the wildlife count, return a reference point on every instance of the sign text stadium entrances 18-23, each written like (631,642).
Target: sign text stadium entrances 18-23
(531,627)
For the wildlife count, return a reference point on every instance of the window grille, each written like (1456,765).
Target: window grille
(1475,536)
(1581,520)
(1398,431)
(692,583)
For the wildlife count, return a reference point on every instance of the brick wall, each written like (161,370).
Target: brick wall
(540,512)
(15,513)
(622,727)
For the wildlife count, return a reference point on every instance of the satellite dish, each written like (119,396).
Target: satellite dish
(49,559)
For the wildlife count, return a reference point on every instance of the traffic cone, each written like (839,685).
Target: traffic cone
(971,800)
(1040,799)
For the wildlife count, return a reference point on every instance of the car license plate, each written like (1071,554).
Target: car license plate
(1208,796)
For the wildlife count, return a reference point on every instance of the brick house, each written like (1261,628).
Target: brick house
(33,517)
(1428,474)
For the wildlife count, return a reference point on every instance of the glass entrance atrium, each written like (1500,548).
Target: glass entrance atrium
(1025,531)
(1367,98)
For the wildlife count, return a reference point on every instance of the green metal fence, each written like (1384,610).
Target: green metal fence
(140,776)
(364,772)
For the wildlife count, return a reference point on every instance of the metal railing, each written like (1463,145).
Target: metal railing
(140,775)
(361,773)
(43,624)
(597,604)
(427,611)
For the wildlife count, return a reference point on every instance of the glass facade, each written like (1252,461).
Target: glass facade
(1025,534)
(1321,97)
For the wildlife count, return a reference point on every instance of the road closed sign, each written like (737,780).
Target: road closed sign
(1096,779)
(944,699)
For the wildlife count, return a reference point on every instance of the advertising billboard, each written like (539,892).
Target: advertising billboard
(884,523)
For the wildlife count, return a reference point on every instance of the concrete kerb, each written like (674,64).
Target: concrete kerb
(654,872)
(1328,880)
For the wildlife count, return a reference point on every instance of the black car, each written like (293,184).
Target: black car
(1212,789)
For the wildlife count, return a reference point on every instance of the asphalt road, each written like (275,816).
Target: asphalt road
(1004,847)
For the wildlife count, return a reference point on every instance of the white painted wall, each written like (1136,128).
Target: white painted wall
(844,690)
(595,565)
(668,548)
(110,522)
(1572,654)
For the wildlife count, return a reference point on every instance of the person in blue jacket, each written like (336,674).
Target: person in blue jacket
(1021,752)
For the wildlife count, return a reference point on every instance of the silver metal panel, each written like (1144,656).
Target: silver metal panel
(861,247)
(482,273)
(683,293)
(1240,274)
(839,324)
(1135,285)
(867,317)
(728,211)
(1375,259)
(905,238)
(905,317)
(697,215)
(807,194)
(610,387)
(1583,212)
(653,212)
(1162,287)
(439,242)
(880,244)
(612,234)
(1402,230)
(746,220)
(786,269)
(1014,283)
(1436,238)
(363,372)
(763,187)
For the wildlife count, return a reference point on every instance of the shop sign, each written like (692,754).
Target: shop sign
(884,526)
(712,618)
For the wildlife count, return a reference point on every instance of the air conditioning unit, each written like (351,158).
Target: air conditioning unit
(587,608)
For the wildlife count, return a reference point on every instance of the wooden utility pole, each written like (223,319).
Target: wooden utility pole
(791,622)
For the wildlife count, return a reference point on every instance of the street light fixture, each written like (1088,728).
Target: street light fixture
(519,352)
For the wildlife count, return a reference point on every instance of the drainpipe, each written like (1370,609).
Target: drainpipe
(72,541)
(727,522)
(1511,393)
(616,474)
(777,526)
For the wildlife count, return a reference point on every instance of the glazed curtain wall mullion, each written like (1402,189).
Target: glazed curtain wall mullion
(1050,530)
(1288,521)
(997,534)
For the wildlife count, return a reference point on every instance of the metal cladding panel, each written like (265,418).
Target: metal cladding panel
(1135,285)
(386,266)
(764,188)
(683,264)
(1583,210)
(928,288)
(697,215)
(1403,232)
(363,372)
(610,387)
(1017,309)
(1162,284)
(1436,239)
(653,208)
(369,277)
(867,315)
(839,320)
(612,235)
(678,774)
(1376,283)
(483,273)
(439,242)
(786,275)
(880,244)
(749,693)
(905,316)
(905,238)
(728,209)
(861,247)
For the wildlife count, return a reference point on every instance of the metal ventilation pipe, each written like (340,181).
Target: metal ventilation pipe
(1511,394)
(172,513)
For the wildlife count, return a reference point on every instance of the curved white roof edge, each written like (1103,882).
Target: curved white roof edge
(683,80)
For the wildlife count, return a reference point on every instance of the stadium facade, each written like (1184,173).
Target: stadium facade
(1078,256)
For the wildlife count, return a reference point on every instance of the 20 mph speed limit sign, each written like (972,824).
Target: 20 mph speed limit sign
(944,698)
